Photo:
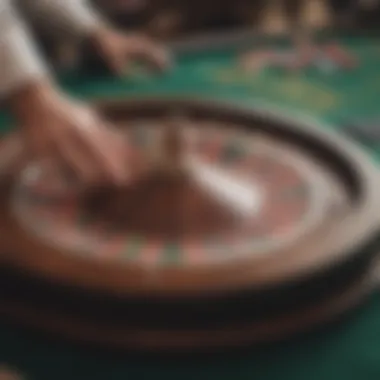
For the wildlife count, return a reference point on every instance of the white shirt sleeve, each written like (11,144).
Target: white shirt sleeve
(74,18)
(20,62)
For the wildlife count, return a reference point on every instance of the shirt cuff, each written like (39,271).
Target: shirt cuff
(20,62)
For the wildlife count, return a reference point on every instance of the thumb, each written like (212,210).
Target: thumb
(14,155)
(151,53)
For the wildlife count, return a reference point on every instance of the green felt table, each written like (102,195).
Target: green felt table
(348,350)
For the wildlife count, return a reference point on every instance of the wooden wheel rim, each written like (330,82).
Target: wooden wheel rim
(272,329)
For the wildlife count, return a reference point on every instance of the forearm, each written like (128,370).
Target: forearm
(20,62)
(72,18)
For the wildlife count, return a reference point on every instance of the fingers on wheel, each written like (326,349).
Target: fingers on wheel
(152,53)
(105,150)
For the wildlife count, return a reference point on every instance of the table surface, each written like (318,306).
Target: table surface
(348,350)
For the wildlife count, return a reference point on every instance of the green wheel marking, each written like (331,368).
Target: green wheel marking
(296,192)
(134,247)
(172,254)
(232,153)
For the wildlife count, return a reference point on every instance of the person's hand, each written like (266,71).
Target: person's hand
(56,127)
(121,50)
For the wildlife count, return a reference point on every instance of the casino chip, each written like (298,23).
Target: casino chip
(328,59)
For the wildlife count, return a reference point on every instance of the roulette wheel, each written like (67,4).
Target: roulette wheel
(244,226)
